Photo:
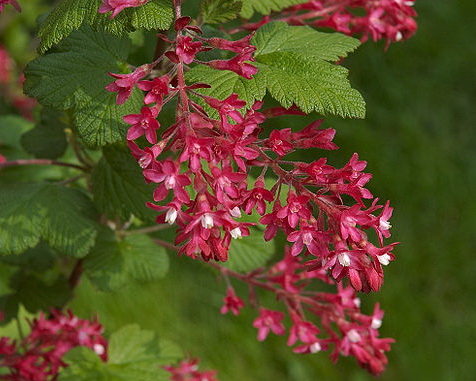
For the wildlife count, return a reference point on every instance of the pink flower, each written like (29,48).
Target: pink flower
(125,82)
(257,197)
(237,64)
(305,332)
(295,209)
(280,141)
(232,302)
(187,370)
(157,89)
(167,174)
(118,5)
(143,124)
(14,3)
(186,49)
(267,321)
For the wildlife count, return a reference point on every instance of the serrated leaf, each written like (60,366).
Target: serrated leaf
(265,7)
(75,76)
(292,78)
(69,15)
(118,185)
(47,139)
(280,37)
(249,253)
(63,217)
(293,67)
(131,344)
(133,354)
(113,264)
(219,11)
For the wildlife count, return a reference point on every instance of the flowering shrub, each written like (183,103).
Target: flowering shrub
(192,139)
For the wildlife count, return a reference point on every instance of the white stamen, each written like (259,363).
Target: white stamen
(235,212)
(99,349)
(384,259)
(344,259)
(376,323)
(207,221)
(171,216)
(236,233)
(353,336)
(399,36)
(384,225)
(357,302)
(170,182)
(314,348)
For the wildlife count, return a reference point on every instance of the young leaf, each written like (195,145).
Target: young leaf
(249,253)
(294,68)
(219,11)
(63,217)
(265,7)
(75,76)
(69,15)
(119,187)
(113,264)
(47,140)
(133,354)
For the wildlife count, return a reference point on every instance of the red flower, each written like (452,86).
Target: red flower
(232,302)
(269,320)
(296,208)
(125,82)
(143,123)
(157,89)
(186,49)
(280,141)
(14,3)
(118,5)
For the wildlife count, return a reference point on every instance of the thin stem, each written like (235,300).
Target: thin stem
(149,229)
(75,275)
(16,163)
(71,180)
(166,244)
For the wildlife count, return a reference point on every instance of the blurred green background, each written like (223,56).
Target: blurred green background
(418,138)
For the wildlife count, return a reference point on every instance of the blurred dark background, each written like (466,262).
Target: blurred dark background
(418,139)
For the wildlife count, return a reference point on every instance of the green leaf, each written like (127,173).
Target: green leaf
(133,354)
(47,139)
(265,7)
(75,76)
(119,187)
(294,68)
(219,11)
(113,264)
(280,37)
(249,253)
(292,78)
(63,217)
(69,15)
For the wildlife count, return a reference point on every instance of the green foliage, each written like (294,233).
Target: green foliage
(115,263)
(32,282)
(293,67)
(119,187)
(64,217)
(249,253)
(219,11)
(74,77)
(265,7)
(133,354)
(47,140)
(69,15)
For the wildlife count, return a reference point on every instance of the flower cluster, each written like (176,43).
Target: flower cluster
(187,370)
(203,165)
(392,20)
(342,325)
(39,356)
